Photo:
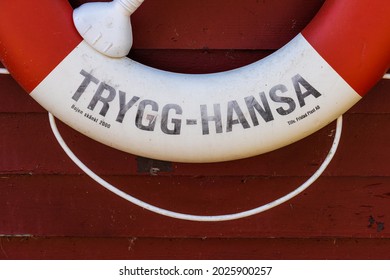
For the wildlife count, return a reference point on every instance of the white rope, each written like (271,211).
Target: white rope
(190,217)
(386,76)
(4,71)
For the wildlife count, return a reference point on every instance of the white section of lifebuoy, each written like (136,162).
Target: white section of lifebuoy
(196,118)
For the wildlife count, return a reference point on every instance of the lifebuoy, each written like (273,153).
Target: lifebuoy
(271,103)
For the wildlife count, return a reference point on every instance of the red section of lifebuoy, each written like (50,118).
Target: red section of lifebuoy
(354,38)
(35,36)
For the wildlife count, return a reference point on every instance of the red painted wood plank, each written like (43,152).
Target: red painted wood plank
(197,61)
(14,98)
(193,249)
(75,206)
(376,101)
(219,24)
(27,146)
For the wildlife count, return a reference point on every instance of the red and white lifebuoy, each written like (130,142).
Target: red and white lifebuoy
(297,90)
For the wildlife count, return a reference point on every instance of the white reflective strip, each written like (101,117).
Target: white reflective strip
(197,118)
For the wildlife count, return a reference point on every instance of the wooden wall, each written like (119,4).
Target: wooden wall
(50,209)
